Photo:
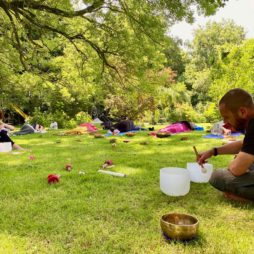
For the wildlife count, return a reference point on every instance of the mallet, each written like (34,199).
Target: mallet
(111,173)
(202,166)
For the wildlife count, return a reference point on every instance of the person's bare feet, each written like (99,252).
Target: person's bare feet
(231,196)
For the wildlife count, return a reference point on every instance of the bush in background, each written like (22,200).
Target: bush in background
(45,119)
(185,112)
(83,117)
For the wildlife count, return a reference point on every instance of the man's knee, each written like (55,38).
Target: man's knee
(218,179)
(215,177)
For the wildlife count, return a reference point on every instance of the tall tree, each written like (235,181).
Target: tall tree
(233,69)
(207,39)
(203,54)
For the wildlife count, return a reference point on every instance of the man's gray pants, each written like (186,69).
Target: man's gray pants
(243,186)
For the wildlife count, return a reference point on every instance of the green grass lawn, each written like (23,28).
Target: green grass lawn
(97,213)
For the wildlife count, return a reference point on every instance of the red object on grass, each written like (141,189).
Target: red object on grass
(109,162)
(68,167)
(52,178)
(31,157)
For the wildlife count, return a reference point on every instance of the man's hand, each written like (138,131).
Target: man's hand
(226,132)
(202,157)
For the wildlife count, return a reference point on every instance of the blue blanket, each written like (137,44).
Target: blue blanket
(221,136)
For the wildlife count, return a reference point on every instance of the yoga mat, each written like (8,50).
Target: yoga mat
(221,136)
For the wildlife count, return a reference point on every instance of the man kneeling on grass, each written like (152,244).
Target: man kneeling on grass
(237,182)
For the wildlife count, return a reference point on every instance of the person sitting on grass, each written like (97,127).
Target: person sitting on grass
(4,135)
(221,128)
(237,182)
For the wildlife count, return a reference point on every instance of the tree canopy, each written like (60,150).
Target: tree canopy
(204,51)
(68,56)
(235,69)
(97,25)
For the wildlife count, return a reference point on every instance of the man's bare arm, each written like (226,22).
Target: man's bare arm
(230,148)
(8,126)
(240,165)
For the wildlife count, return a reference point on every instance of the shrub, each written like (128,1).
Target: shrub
(185,112)
(150,117)
(61,118)
(39,117)
(70,124)
(82,117)
(45,118)
(211,112)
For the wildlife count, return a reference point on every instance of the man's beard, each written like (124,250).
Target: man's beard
(240,124)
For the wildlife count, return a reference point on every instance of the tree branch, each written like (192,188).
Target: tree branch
(16,37)
(71,39)
(24,14)
(41,7)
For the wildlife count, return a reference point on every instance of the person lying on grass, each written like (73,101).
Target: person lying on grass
(29,129)
(4,135)
(237,182)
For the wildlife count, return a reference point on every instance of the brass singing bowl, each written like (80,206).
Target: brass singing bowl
(179,226)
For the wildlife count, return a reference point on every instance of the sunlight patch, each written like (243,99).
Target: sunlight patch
(129,170)
(12,244)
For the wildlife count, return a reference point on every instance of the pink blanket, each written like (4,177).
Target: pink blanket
(175,128)
(90,127)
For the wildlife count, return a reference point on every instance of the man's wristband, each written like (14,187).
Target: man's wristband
(215,151)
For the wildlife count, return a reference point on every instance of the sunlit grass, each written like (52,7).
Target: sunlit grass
(97,213)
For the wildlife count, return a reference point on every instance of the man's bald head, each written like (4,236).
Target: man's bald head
(236,98)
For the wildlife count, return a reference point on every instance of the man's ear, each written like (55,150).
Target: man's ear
(243,112)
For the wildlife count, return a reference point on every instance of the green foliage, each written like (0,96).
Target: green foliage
(209,111)
(210,44)
(111,54)
(70,124)
(62,119)
(208,38)
(45,118)
(152,117)
(234,70)
(175,57)
(83,117)
(200,82)
(185,112)
(41,118)
(66,52)
(132,106)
